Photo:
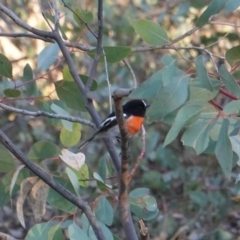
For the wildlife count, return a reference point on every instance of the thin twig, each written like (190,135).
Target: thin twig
(24,25)
(77,201)
(47,114)
(135,83)
(108,82)
(86,25)
(140,157)
(166,46)
(225,24)
(30,35)
(228,94)
(99,46)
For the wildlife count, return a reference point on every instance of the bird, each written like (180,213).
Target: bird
(133,113)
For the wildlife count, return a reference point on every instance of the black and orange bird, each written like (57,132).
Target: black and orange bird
(133,113)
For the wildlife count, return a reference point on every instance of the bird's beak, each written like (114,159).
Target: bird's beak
(148,105)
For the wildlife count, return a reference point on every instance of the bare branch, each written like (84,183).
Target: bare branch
(86,25)
(140,157)
(99,46)
(54,185)
(225,24)
(166,46)
(108,82)
(121,92)
(24,25)
(30,35)
(124,206)
(135,83)
(47,114)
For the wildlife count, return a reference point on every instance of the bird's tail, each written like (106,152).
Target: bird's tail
(87,141)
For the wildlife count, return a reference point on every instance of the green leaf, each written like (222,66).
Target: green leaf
(42,150)
(139,192)
(235,141)
(101,184)
(149,88)
(5,67)
(68,77)
(169,98)
(149,31)
(58,235)
(104,211)
(47,56)
(85,79)
(214,7)
(83,175)
(4,196)
(187,113)
(10,92)
(40,231)
(102,167)
(31,87)
(170,70)
(6,160)
(71,138)
(58,201)
(197,135)
(199,197)
(106,232)
(223,149)
(76,233)
(113,53)
(231,5)
(145,207)
(202,74)
(148,177)
(69,93)
(232,107)
(86,16)
(196,92)
(61,110)
(233,55)
(73,179)
(229,81)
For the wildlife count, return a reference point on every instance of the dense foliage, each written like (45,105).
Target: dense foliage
(180,56)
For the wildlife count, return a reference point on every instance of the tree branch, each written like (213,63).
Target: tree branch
(89,105)
(24,25)
(30,35)
(166,46)
(99,46)
(54,185)
(47,114)
(124,206)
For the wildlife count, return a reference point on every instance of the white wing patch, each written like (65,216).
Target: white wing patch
(109,120)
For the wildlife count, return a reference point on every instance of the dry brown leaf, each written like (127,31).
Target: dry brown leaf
(38,197)
(25,187)
(74,160)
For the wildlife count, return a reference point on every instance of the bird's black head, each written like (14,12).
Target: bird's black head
(135,107)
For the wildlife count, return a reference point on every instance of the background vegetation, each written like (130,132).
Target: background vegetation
(180,56)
